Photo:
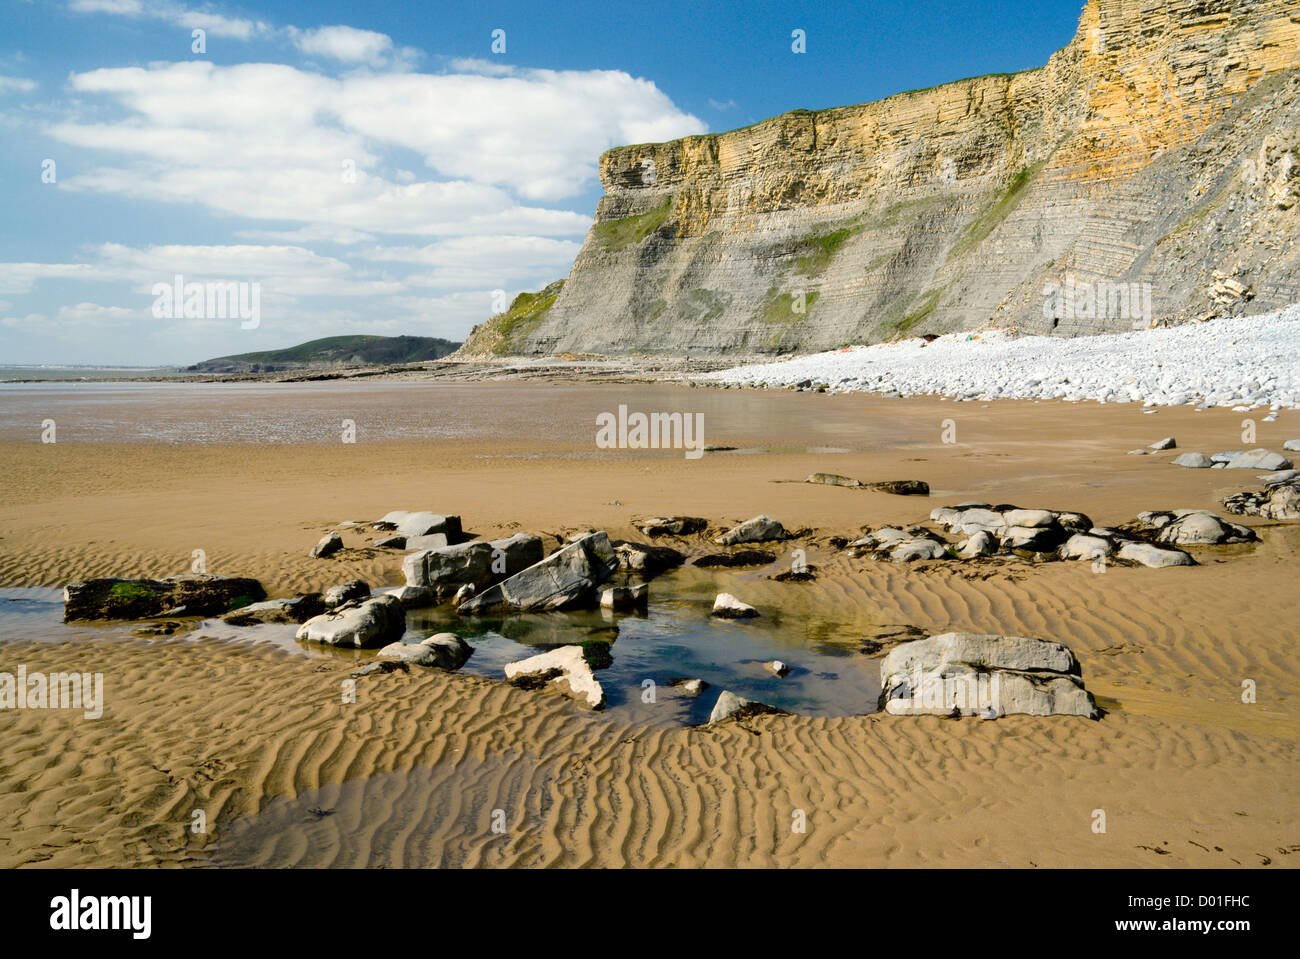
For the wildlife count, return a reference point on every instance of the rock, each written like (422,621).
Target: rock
(464,593)
(516,553)
(428,541)
(1196,461)
(1029,518)
(692,687)
(1199,528)
(982,543)
(901,487)
(646,559)
(329,544)
(1167,443)
(620,598)
(778,668)
(1281,476)
(741,557)
(296,610)
(1042,539)
(973,520)
(672,525)
(1279,501)
(381,666)
(1291,446)
(1084,546)
(1227,456)
(425,524)
(113,598)
(346,593)
(391,542)
(1073,522)
(760,529)
(1139,452)
(885,537)
(833,479)
(727,606)
(566,578)
(370,622)
(1153,556)
(1155,518)
(1260,459)
(565,669)
(911,550)
(447,569)
(443,651)
(971,674)
(413,597)
(731,706)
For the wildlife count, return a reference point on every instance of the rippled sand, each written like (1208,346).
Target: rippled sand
(412,774)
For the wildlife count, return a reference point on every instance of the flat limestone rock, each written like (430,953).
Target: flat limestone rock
(973,674)
(1260,459)
(201,595)
(726,606)
(296,610)
(425,524)
(760,529)
(516,553)
(442,651)
(565,669)
(1196,461)
(447,569)
(427,541)
(741,557)
(565,579)
(1154,556)
(370,622)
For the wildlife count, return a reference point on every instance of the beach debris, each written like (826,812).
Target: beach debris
(447,569)
(328,545)
(741,557)
(443,651)
(760,529)
(672,525)
(565,669)
(199,595)
(566,578)
(1260,459)
(1168,443)
(646,559)
(296,610)
(731,706)
(972,674)
(726,606)
(1280,500)
(777,668)
(368,622)
(621,598)
(1195,461)
(412,597)
(516,553)
(346,593)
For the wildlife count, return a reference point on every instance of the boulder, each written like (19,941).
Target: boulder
(516,553)
(731,706)
(1167,443)
(1038,539)
(760,529)
(1291,446)
(425,523)
(296,610)
(443,651)
(672,525)
(691,687)
(971,674)
(1278,501)
(1029,518)
(565,669)
(413,597)
(346,593)
(428,541)
(646,559)
(447,569)
(328,545)
(726,606)
(369,622)
(1260,459)
(1197,461)
(203,595)
(622,598)
(833,479)
(390,542)
(1154,556)
(901,487)
(566,578)
(1085,546)
(777,668)
(910,550)
(1225,457)
(1073,522)
(973,520)
(982,543)
(1203,528)
(741,557)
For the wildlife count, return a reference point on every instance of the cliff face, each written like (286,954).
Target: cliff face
(1157,155)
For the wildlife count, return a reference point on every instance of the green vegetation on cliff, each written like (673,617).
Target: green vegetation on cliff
(334,351)
(616,234)
(502,334)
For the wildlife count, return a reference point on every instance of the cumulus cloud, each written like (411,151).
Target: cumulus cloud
(219,26)
(18,84)
(346,44)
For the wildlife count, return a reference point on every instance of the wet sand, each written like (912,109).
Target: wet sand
(1186,773)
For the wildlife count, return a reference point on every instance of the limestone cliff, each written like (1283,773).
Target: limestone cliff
(1158,153)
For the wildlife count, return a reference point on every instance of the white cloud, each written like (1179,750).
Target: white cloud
(485,262)
(20,84)
(347,44)
(219,26)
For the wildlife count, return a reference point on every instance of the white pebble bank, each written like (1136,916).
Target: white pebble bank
(1248,361)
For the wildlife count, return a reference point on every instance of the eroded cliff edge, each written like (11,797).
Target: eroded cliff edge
(1160,147)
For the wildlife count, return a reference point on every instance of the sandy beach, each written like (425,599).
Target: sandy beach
(285,774)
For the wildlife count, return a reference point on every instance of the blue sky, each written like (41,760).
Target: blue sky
(378,168)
